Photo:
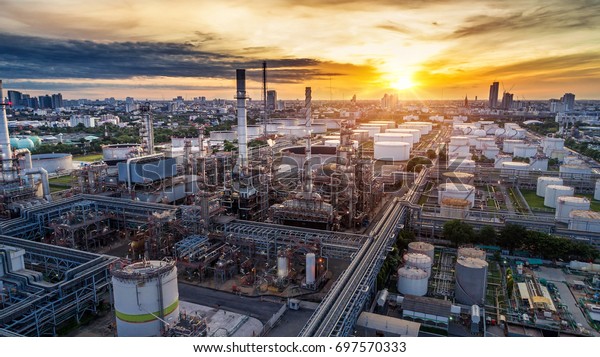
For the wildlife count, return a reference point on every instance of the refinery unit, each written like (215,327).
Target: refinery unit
(309,213)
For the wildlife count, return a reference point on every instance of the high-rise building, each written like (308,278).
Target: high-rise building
(389,101)
(45,101)
(507,101)
(130,105)
(569,101)
(15,98)
(493,100)
(271,100)
(57,101)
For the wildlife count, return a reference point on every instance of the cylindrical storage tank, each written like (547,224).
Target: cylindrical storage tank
(412,281)
(416,133)
(381,127)
(391,151)
(597,191)
(553,192)
(500,159)
(371,129)
(480,133)
(223,135)
(14,142)
(459,140)
(422,248)
(461,150)
(566,204)
(143,291)
(455,208)
(388,124)
(318,128)
(524,150)
(472,140)
(36,140)
(509,145)
(419,261)
(490,151)
(551,144)
(53,163)
(289,121)
(587,221)
(422,128)
(293,131)
(471,281)
(510,167)
(428,125)
(311,270)
(361,135)
(484,142)
(456,191)
(520,133)
(500,132)
(490,129)
(470,252)
(575,169)
(399,137)
(272,128)
(282,266)
(545,181)
(458,177)
(254,131)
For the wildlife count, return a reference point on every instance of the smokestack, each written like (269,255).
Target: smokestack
(307,167)
(240,95)
(6,152)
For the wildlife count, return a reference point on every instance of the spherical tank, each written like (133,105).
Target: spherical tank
(459,191)
(470,252)
(416,133)
(588,221)
(509,145)
(545,181)
(553,192)
(412,281)
(14,142)
(524,150)
(471,280)
(310,268)
(53,163)
(282,266)
(36,140)
(422,248)
(392,151)
(144,291)
(419,261)
(399,137)
(597,191)
(566,204)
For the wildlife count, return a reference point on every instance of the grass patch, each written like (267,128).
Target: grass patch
(594,205)
(533,200)
(88,158)
(63,180)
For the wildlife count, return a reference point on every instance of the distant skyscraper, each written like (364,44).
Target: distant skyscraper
(494,95)
(130,105)
(466,101)
(569,101)
(57,101)
(14,98)
(45,101)
(507,101)
(271,100)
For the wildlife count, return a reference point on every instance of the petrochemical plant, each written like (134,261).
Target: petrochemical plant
(306,215)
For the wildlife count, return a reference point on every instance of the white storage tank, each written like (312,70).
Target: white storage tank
(511,167)
(387,123)
(463,165)
(412,281)
(142,291)
(459,140)
(566,204)
(318,128)
(361,135)
(419,261)
(525,150)
(53,163)
(311,269)
(416,133)
(282,266)
(252,131)
(553,192)
(272,128)
(473,140)
(422,248)
(399,137)
(471,252)
(336,143)
(550,144)
(575,169)
(509,145)
(112,154)
(293,131)
(391,151)
(597,191)
(490,151)
(538,164)
(221,136)
(461,150)
(484,142)
(545,181)
(290,121)
(456,191)
(424,129)
(471,281)
(587,221)
(500,159)
(371,129)
(454,208)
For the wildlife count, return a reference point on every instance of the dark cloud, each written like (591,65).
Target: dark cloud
(27,57)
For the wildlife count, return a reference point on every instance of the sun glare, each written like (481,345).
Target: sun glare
(402,82)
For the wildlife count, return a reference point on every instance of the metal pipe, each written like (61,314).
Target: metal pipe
(5,149)
(45,183)
(26,160)
(241,118)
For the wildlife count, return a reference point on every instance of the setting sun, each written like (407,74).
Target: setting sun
(403,82)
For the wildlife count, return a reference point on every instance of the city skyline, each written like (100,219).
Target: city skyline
(421,50)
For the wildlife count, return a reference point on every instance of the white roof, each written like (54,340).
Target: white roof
(388,324)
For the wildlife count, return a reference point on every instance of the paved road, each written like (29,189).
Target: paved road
(566,297)
(253,307)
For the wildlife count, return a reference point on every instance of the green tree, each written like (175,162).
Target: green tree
(487,235)
(416,164)
(512,236)
(458,232)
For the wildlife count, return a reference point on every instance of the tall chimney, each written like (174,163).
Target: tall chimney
(307,166)
(240,95)
(5,150)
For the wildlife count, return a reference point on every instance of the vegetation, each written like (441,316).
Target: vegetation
(582,148)
(88,157)
(549,126)
(458,232)
(533,200)
(394,258)
(431,154)
(487,235)
(416,164)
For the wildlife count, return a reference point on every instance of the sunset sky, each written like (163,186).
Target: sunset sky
(420,49)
